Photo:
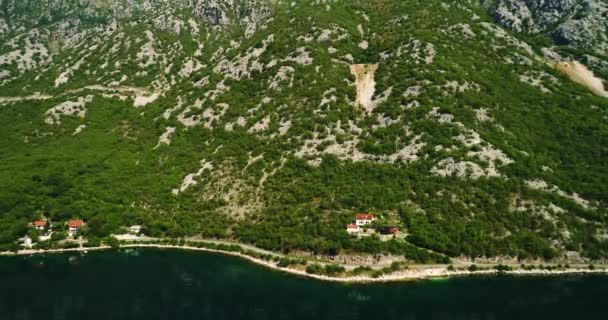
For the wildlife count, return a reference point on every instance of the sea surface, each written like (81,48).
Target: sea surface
(175,285)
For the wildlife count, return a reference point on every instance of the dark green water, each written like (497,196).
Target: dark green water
(156,284)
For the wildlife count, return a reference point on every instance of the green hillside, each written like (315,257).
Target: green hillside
(274,122)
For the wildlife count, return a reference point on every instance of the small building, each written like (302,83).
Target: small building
(75,225)
(388,230)
(135,229)
(353,228)
(40,224)
(363,219)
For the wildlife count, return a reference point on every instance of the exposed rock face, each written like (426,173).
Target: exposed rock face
(533,15)
(366,86)
(578,23)
(220,12)
(215,12)
(580,74)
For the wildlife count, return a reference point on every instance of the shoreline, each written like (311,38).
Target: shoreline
(411,274)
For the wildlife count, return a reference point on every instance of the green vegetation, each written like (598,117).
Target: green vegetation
(112,242)
(114,173)
(328,269)
(503,268)
(285,262)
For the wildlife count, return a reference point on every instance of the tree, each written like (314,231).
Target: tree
(112,242)
(333,269)
(503,268)
(314,269)
(58,236)
(33,234)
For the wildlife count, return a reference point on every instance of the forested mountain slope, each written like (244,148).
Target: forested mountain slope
(273,122)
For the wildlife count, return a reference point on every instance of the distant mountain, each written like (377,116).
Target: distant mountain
(478,130)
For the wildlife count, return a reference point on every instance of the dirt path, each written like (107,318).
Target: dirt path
(24,98)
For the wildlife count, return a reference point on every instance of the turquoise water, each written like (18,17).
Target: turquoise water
(158,284)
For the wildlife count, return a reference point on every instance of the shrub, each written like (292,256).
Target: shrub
(395,266)
(285,262)
(58,236)
(362,269)
(503,268)
(69,245)
(14,247)
(332,269)
(314,269)
(92,242)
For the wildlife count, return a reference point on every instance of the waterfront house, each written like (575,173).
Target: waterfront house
(363,219)
(75,225)
(352,228)
(135,229)
(40,224)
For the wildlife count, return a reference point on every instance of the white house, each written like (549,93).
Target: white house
(74,226)
(135,229)
(363,219)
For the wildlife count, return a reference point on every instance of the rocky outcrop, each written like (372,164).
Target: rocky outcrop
(533,15)
(365,84)
(221,12)
(578,23)
(215,12)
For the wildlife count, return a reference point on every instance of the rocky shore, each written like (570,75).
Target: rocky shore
(413,272)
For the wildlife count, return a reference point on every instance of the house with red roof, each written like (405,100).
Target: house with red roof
(363,219)
(40,224)
(352,228)
(75,225)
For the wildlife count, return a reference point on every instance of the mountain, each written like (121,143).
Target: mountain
(581,26)
(273,122)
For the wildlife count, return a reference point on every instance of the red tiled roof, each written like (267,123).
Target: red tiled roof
(39,223)
(364,216)
(75,223)
(352,226)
